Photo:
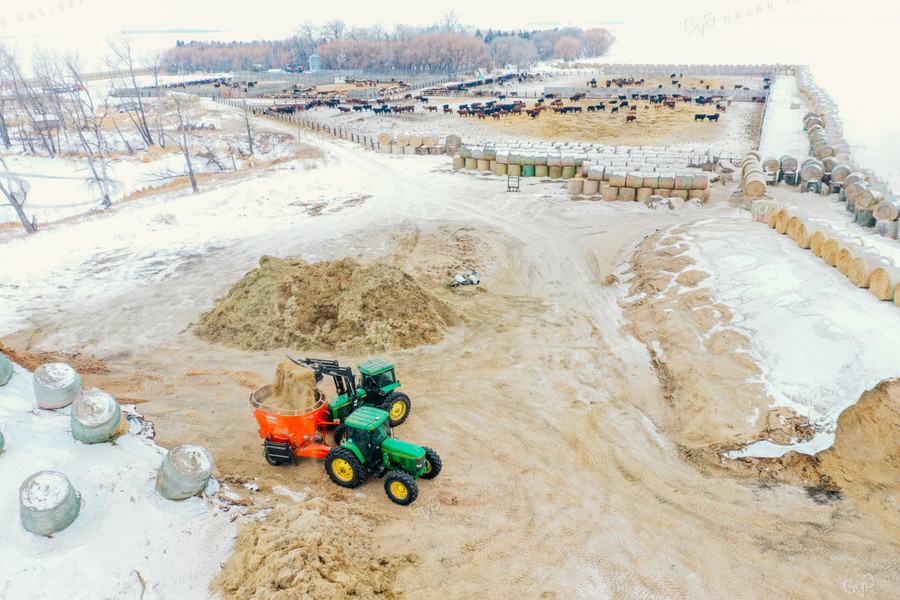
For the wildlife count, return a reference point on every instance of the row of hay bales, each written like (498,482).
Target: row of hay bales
(613,184)
(644,158)
(428,143)
(862,264)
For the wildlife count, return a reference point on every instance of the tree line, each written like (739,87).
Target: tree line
(442,47)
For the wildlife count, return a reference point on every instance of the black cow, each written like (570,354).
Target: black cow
(699,117)
(712,117)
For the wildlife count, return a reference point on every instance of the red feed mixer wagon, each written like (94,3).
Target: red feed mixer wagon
(289,433)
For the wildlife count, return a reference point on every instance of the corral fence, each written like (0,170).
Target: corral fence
(741,95)
(308,124)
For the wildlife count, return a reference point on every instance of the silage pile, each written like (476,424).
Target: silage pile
(339,306)
(294,387)
(317,549)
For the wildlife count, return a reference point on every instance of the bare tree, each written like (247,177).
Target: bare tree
(16,191)
(450,22)
(4,130)
(124,60)
(185,127)
(334,29)
(33,103)
(89,129)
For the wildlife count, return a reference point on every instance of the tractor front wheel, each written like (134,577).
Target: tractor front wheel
(401,488)
(340,434)
(397,405)
(344,468)
(432,464)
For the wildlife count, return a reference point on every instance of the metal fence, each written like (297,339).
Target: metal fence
(604,92)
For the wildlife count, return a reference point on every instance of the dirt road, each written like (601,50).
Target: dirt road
(561,475)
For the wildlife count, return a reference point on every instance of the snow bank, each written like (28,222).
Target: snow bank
(128,541)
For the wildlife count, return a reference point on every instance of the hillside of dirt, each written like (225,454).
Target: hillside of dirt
(336,306)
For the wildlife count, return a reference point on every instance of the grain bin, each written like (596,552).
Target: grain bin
(184,471)
(56,385)
(48,503)
(97,418)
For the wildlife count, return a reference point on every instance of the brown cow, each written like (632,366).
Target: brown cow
(630,118)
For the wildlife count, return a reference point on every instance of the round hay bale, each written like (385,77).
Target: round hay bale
(590,187)
(453,141)
(868,198)
(554,172)
(610,193)
(56,385)
(825,150)
(888,209)
(755,185)
(832,247)
(773,215)
(618,178)
(568,172)
(597,172)
(527,170)
(771,164)
(415,141)
(805,232)
(541,170)
(554,160)
(699,181)
(817,240)
(829,162)
(430,140)
(846,254)
(385,138)
(634,179)
(788,164)
(864,217)
(854,177)
(502,157)
(514,170)
(48,503)
(667,181)
(471,164)
(575,186)
(458,163)
(184,471)
(402,140)
(840,172)
(812,171)
(887,229)
(482,164)
(754,154)
(883,282)
(499,170)
(489,153)
(96,418)
(853,189)
(477,153)
(676,203)
(515,157)
(784,217)
(651,180)
(862,266)
(793,226)
(684,181)
(627,194)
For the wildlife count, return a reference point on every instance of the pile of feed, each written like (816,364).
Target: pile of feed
(339,306)
(318,548)
(294,387)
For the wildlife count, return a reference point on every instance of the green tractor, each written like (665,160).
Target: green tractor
(370,449)
(377,387)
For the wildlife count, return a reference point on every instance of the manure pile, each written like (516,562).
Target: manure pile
(339,306)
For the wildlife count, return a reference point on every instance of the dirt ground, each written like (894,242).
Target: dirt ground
(571,464)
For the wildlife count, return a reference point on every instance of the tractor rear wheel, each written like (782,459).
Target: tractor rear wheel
(344,468)
(340,434)
(397,405)
(432,464)
(401,488)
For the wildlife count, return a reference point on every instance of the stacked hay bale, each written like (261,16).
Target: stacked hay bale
(753,178)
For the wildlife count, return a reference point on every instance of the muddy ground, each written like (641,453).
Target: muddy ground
(570,468)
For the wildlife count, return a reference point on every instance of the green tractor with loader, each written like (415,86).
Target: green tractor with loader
(368,448)
(377,387)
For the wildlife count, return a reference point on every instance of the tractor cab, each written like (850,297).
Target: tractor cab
(367,428)
(377,378)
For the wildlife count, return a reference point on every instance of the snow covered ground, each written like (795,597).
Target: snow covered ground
(113,549)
